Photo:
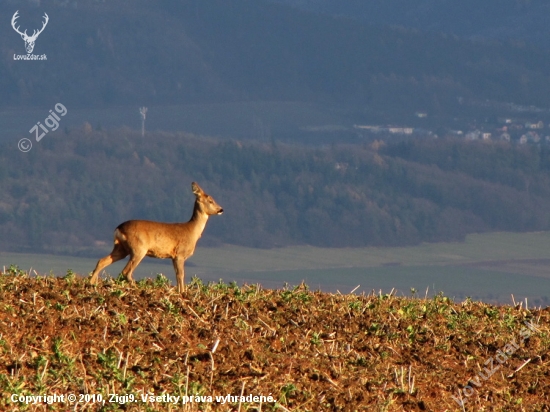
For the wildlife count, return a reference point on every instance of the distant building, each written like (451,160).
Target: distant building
(505,120)
(401,130)
(374,129)
(538,125)
(342,167)
(531,137)
(390,129)
(473,135)
(523,139)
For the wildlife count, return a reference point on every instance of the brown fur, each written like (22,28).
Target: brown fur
(177,241)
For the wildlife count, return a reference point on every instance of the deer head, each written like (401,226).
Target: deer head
(29,40)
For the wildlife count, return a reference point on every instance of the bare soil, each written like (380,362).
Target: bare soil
(309,351)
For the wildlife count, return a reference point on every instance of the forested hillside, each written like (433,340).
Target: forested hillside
(121,52)
(72,189)
(520,20)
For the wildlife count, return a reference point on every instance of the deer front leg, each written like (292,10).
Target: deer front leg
(180,274)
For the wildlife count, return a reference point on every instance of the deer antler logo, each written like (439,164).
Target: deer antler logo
(29,40)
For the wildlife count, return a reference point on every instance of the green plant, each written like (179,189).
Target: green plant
(14,270)
(69,277)
(286,392)
(118,293)
(196,388)
(169,306)
(316,339)
(122,319)
(161,281)
(355,305)
(61,357)
(59,306)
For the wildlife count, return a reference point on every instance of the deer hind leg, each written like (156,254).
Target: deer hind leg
(135,259)
(118,253)
(180,274)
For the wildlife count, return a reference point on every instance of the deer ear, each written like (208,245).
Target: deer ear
(196,189)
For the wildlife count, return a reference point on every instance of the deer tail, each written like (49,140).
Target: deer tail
(119,236)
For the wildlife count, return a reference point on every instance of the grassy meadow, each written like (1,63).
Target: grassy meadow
(488,267)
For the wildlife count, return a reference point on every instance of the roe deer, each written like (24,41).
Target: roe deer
(140,238)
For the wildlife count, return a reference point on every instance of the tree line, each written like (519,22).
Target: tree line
(72,189)
(233,51)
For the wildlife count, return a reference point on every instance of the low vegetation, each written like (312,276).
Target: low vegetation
(299,349)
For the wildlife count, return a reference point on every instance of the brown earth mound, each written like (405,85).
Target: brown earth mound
(116,345)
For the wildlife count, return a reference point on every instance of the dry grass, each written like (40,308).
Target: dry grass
(310,351)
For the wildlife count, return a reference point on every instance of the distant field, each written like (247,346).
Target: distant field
(238,120)
(488,267)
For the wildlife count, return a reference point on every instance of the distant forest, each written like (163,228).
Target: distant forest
(73,188)
(170,52)
(519,20)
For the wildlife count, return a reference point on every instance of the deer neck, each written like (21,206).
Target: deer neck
(198,221)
